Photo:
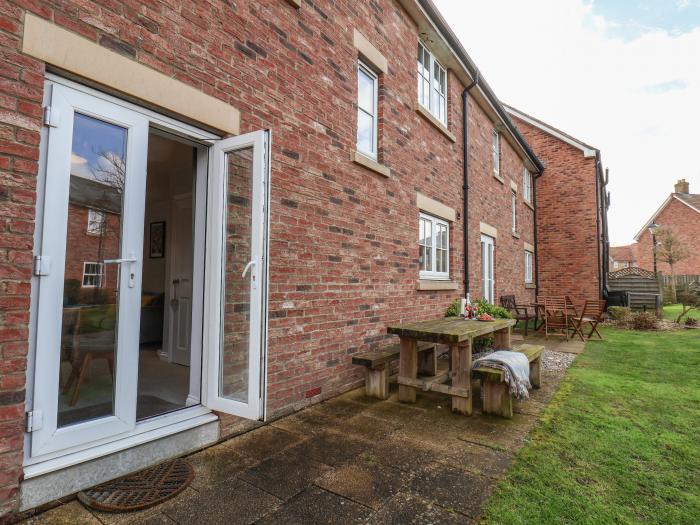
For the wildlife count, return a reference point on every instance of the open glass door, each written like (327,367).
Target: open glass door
(89,268)
(235,287)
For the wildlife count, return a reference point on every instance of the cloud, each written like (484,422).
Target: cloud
(635,99)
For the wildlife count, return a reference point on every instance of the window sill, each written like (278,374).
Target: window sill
(529,204)
(434,284)
(516,235)
(435,122)
(499,178)
(530,286)
(294,3)
(370,164)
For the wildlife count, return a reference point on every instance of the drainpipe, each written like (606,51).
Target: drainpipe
(465,185)
(534,223)
(598,172)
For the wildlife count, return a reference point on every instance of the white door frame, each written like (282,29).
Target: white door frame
(488,252)
(65,102)
(257,269)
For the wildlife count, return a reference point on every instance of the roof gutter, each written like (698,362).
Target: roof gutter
(443,28)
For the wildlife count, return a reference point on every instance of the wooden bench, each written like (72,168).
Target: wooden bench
(378,363)
(495,393)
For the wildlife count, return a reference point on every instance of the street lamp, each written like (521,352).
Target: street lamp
(653,228)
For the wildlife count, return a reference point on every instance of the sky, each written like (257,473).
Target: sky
(620,75)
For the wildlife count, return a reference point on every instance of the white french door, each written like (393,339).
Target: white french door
(487,268)
(89,272)
(234,315)
(90,284)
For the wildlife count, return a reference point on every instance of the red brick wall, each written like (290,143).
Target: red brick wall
(685,223)
(566,217)
(343,243)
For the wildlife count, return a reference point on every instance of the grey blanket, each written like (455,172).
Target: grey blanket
(514,365)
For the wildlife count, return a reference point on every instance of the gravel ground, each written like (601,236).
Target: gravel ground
(556,361)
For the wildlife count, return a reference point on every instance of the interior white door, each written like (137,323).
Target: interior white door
(179,320)
(235,288)
(87,339)
(487,268)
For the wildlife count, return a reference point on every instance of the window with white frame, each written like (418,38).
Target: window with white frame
(93,274)
(432,84)
(367,103)
(529,267)
(527,185)
(96,222)
(433,246)
(496,151)
(514,210)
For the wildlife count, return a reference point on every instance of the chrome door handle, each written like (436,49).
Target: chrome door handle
(127,260)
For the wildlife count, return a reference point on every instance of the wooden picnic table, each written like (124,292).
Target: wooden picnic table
(458,334)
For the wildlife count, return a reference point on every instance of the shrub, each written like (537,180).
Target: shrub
(691,321)
(453,309)
(644,321)
(494,311)
(618,313)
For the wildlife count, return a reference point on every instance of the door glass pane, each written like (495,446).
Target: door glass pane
(91,286)
(233,380)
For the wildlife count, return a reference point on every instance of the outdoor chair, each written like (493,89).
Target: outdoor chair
(556,316)
(519,312)
(591,315)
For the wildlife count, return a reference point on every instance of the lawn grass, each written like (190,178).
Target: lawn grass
(672,311)
(619,442)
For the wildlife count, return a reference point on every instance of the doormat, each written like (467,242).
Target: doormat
(140,490)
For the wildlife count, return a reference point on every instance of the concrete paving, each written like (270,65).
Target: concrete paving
(348,460)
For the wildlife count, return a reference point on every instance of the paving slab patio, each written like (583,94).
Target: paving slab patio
(351,459)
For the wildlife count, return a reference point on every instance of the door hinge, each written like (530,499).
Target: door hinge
(35,420)
(42,265)
(51,117)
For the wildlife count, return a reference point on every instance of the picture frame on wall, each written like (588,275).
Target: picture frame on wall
(157,240)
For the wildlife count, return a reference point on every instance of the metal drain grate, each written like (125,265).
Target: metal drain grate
(140,490)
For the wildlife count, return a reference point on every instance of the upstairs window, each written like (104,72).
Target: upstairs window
(529,265)
(367,103)
(514,211)
(433,247)
(527,185)
(432,84)
(496,152)
(96,222)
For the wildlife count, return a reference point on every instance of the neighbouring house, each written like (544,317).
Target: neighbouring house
(572,204)
(622,257)
(680,214)
(256,189)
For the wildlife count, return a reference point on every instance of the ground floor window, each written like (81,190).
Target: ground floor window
(529,258)
(433,247)
(92,274)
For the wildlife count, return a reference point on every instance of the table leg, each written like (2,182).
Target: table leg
(461,357)
(502,339)
(408,367)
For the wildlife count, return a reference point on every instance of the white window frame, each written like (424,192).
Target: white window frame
(527,186)
(496,152)
(100,276)
(514,210)
(435,223)
(96,222)
(364,69)
(437,95)
(529,267)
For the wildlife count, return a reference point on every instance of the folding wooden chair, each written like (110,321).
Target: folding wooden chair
(592,314)
(556,316)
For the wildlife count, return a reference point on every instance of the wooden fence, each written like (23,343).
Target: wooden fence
(681,280)
(642,291)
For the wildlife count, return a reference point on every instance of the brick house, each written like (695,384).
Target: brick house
(310,180)
(572,205)
(622,257)
(680,214)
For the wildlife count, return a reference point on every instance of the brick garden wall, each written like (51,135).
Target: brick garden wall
(566,225)
(685,223)
(343,261)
